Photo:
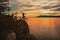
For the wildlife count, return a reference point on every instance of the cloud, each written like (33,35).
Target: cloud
(46,7)
(32,5)
(52,8)
(13,5)
(56,9)
(26,5)
(58,5)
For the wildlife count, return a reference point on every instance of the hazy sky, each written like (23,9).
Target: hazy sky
(43,3)
(35,5)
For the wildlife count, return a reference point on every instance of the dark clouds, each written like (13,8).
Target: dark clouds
(55,7)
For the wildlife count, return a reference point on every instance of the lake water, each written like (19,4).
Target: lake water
(44,27)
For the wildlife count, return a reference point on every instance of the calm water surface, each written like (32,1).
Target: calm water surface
(44,27)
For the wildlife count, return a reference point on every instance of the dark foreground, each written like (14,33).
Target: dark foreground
(13,29)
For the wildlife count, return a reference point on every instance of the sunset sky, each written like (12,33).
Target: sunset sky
(35,6)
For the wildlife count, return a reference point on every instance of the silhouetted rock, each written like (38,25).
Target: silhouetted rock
(8,25)
(22,30)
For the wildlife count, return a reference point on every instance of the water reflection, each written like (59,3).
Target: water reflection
(45,27)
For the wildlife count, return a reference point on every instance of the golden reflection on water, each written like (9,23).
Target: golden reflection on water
(43,26)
